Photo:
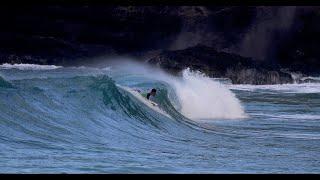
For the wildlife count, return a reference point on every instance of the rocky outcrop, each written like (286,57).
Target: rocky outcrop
(70,35)
(258,77)
(221,65)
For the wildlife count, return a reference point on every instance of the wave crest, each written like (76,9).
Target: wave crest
(28,66)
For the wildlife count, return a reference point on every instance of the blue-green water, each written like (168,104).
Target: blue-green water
(77,120)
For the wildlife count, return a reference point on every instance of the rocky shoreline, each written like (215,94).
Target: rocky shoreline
(249,45)
(216,64)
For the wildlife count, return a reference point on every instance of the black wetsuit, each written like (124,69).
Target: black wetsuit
(148,95)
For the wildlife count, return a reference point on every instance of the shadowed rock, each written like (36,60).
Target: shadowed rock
(73,35)
(221,65)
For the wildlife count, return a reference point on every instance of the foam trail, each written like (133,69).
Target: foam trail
(28,66)
(303,88)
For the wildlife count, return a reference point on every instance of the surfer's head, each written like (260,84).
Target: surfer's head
(153,92)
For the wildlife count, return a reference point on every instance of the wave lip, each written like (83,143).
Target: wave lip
(28,66)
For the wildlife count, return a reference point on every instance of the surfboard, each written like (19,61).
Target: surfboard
(154,106)
(145,96)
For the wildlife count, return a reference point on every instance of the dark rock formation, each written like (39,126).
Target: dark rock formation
(286,37)
(301,51)
(220,64)
(58,34)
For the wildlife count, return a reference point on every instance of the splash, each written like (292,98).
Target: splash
(198,96)
(202,98)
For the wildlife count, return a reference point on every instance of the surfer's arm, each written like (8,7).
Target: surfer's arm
(137,90)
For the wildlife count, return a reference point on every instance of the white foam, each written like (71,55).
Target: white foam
(107,68)
(28,66)
(290,116)
(202,98)
(311,78)
(283,88)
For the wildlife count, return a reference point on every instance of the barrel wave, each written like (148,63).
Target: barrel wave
(78,119)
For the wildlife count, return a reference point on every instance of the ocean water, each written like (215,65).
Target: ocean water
(57,119)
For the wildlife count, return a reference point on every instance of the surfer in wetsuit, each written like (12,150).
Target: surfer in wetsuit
(153,93)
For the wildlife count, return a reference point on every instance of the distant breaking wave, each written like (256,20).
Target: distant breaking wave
(28,66)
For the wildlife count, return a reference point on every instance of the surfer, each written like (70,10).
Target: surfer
(153,93)
(149,95)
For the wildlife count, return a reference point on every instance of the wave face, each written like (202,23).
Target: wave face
(77,119)
(4,83)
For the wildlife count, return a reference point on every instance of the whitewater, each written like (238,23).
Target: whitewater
(56,119)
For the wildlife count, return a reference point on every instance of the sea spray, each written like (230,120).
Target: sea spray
(202,98)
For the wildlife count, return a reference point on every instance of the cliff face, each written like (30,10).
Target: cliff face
(285,36)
